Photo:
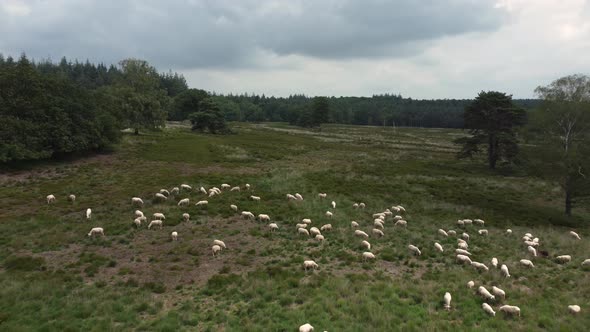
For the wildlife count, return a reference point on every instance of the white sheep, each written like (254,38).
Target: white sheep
(480,266)
(460,222)
(235,189)
(333,205)
(563,259)
(300,226)
(255,198)
(164,192)
(467,221)
(531,243)
(368,255)
(322,195)
(526,263)
(174,236)
(483,232)
(159,215)
(465,236)
(247,186)
(212,193)
(88,213)
(186,216)
(361,233)
(414,250)
(377,215)
(488,309)
(138,213)
(160,196)
(485,293)
(378,223)
(463,245)
(528,234)
(532,251)
(220,243)
(175,191)
(397,217)
(479,221)
(306,328)
(50,199)
(303,231)
(234,207)
(291,197)
(184,201)
(186,187)
(536,240)
(248,215)
(202,190)
(202,203)
(137,222)
(263,217)
(96,231)
(402,223)
(442,232)
(586,262)
(574,309)
(273,227)
(314,231)
(306,221)
(355,205)
(378,232)
(366,244)
(498,292)
(309,264)
(504,270)
(319,237)
(447,301)
(400,208)
(510,309)
(156,222)
(463,259)
(326,227)
(72,198)
(354,224)
(298,196)
(495,262)
(225,186)
(462,252)
(451,232)
(438,247)
(471,284)
(329,214)
(575,235)
(362,205)
(508,231)
(216,250)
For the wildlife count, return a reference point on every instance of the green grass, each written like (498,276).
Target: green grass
(56,278)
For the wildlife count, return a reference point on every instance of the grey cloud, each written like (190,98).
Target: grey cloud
(229,34)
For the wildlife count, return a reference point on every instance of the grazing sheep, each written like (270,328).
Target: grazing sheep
(378,232)
(485,293)
(460,222)
(174,236)
(483,232)
(526,238)
(203,190)
(498,292)
(586,262)
(329,214)
(291,197)
(164,192)
(50,199)
(159,196)
(536,240)
(186,187)
(314,231)
(301,226)
(306,328)
(574,309)
(220,243)
(354,224)
(235,189)
(532,251)
(247,186)
(575,235)
(479,221)
(414,250)
(186,216)
(480,266)
(401,208)
(159,215)
(175,191)
(451,232)
(306,221)
(88,213)
(471,284)
(137,222)
(362,205)
(447,301)
(361,233)
(508,231)
(465,236)
(495,262)
(510,310)
(531,243)
(488,309)
(255,198)
(366,244)
(156,222)
(248,214)
(462,252)
(225,186)
(528,234)
(319,237)
(326,227)
(397,217)
(234,207)
(322,195)
(96,231)
(563,259)
(310,265)
(138,214)
(527,263)
(442,232)
(463,245)
(463,259)
(298,196)
(212,193)
(303,231)
(216,250)
(377,215)
(201,203)
(368,255)
(333,205)
(438,247)
(402,223)
(183,202)
(467,221)
(273,227)
(72,198)
(504,270)
(263,217)
(355,205)
(377,223)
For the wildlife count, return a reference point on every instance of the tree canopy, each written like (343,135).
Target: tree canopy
(209,117)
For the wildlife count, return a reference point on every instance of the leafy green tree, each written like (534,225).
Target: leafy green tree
(229,108)
(209,117)
(320,111)
(251,112)
(185,103)
(492,120)
(561,131)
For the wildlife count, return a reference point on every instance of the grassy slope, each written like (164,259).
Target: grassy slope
(53,277)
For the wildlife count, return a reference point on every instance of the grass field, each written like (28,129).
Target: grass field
(54,277)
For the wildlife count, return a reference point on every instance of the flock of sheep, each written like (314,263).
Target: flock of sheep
(462,254)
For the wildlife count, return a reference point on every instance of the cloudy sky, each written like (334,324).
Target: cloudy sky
(421,49)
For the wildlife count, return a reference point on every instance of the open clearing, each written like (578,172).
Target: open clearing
(54,277)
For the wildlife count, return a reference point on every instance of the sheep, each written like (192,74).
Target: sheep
(361,233)
(96,231)
(159,215)
(306,221)
(485,293)
(508,231)
(314,231)
(202,203)
(354,224)
(306,328)
(164,192)
(377,215)
(263,217)
(235,189)
(401,208)
(234,207)
(462,252)
(303,231)
(575,235)
(447,301)
(586,262)
(137,222)
(50,199)
(414,250)
(526,238)
(462,245)
(186,216)
(220,243)
(255,198)
(536,240)
(247,186)
(329,214)
(183,202)
(467,221)
(480,266)
(531,243)
(298,196)
(378,232)
(322,195)
(532,251)
(326,227)
(175,191)
(273,227)
(333,205)
(377,223)
(528,234)
(442,232)
(248,215)
(397,217)
(88,213)
(401,223)
(479,221)
(368,255)
(451,232)
(488,309)
(574,309)
(202,190)
(72,198)
(225,186)
(483,232)
(510,310)
(460,222)
(362,205)
(463,259)
(471,284)
(495,262)
(174,236)
(186,187)
(527,263)
(212,193)
(291,197)
(138,214)
(465,236)
(309,264)
(301,226)
(504,270)
(216,250)
(319,237)
(366,244)
(159,196)
(355,205)
(156,222)
(498,292)
(563,259)
(438,247)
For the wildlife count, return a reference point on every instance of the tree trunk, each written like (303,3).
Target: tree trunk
(568,202)
(136,131)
